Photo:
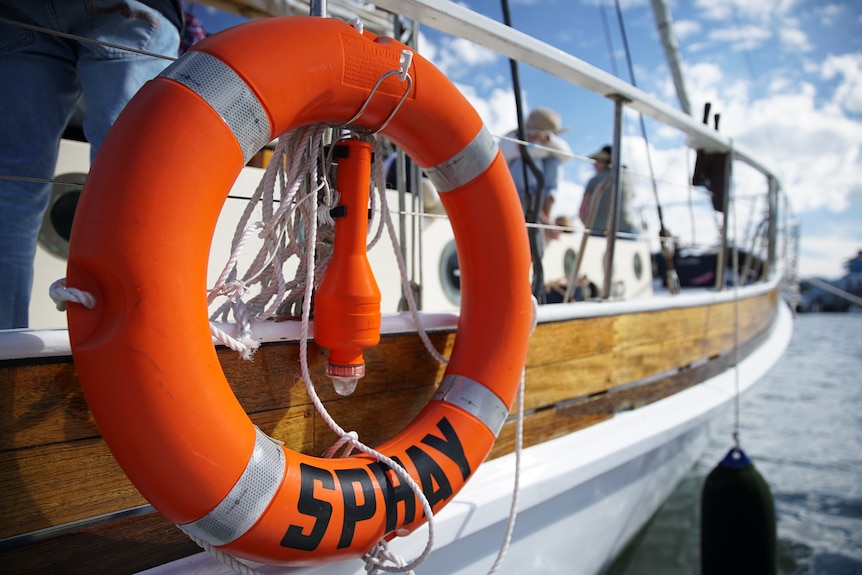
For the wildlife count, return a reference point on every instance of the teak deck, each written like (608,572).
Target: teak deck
(57,475)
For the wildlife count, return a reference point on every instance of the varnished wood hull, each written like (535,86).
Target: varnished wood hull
(68,508)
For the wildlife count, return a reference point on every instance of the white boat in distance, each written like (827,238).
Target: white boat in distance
(102,449)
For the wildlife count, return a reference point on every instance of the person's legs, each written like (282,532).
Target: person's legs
(43,79)
(109,76)
(37,95)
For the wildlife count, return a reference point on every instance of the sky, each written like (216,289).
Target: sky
(784,75)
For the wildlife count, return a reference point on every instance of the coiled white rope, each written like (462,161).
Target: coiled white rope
(304,199)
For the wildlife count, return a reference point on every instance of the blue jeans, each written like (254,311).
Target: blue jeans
(43,78)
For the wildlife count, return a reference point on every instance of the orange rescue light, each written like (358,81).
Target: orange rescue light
(347,301)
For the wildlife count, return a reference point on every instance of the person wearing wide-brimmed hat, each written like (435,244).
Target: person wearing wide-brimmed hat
(595,191)
(543,129)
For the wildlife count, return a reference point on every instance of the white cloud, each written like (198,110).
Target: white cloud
(685,28)
(812,145)
(780,84)
(456,57)
(747,25)
(470,54)
(696,47)
(794,39)
(741,10)
(814,150)
(821,151)
(568,199)
(829,13)
(848,94)
(742,37)
(497,108)
(708,83)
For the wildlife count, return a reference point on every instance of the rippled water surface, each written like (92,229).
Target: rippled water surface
(802,428)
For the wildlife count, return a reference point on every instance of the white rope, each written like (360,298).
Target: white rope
(62,294)
(222,557)
(519,444)
(381,554)
(278,294)
(345,441)
(301,226)
(283,233)
(378,179)
(373,558)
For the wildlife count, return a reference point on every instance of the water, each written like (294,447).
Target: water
(802,428)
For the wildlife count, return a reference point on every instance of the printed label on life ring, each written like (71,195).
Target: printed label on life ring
(360,486)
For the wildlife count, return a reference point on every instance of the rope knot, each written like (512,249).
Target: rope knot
(324,217)
(232,290)
(379,556)
(61,294)
(349,439)
(269,230)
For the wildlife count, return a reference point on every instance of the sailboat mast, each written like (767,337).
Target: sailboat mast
(671,51)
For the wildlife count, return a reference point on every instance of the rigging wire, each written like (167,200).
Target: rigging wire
(611,48)
(736,318)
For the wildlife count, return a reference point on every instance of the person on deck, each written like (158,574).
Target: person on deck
(548,151)
(44,78)
(597,190)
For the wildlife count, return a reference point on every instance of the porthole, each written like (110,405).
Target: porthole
(450,273)
(56,226)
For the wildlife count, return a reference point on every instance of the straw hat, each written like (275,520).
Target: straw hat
(545,120)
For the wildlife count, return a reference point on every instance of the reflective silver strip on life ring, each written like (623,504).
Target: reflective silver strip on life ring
(248,499)
(466,165)
(227,94)
(475,399)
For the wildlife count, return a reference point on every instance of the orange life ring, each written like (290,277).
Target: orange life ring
(140,245)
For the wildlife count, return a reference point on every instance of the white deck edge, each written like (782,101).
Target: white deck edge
(46,343)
